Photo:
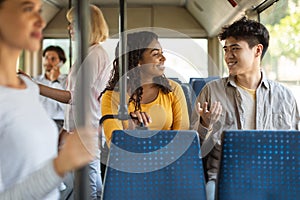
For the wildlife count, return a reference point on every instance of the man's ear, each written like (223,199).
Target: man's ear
(259,50)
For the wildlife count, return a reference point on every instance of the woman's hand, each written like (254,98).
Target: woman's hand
(80,148)
(138,119)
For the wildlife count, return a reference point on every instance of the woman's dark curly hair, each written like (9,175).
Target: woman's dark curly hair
(137,43)
(251,31)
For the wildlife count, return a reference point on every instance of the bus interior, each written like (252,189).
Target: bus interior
(188,31)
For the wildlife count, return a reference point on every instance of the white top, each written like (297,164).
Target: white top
(97,68)
(28,143)
(54,108)
(248,108)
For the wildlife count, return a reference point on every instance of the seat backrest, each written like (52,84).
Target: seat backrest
(154,165)
(189,95)
(188,92)
(260,165)
(175,79)
(198,83)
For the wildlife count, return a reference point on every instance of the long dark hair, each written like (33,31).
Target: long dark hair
(137,43)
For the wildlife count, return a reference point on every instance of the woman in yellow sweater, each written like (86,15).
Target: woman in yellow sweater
(157,101)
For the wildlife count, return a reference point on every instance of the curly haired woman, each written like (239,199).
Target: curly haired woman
(156,101)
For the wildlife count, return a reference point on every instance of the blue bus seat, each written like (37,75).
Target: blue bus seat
(148,165)
(175,79)
(189,95)
(198,83)
(262,165)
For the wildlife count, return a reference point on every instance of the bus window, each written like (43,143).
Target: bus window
(282,62)
(64,44)
(185,58)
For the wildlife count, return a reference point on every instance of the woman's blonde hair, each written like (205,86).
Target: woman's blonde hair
(99,31)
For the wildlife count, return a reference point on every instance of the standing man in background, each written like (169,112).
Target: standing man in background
(53,58)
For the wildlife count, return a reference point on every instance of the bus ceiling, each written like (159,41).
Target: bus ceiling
(195,18)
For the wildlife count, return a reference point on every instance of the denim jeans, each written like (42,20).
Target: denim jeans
(210,190)
(95,179)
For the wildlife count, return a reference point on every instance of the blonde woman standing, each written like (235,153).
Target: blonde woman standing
(96,66)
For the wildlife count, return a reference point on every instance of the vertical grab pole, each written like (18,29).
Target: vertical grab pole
(82,17)
(123,111)
(70,41)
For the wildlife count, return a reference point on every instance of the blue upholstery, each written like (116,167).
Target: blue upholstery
(188,93)
(175,79)
(154,165)
(198,83)
(262,165)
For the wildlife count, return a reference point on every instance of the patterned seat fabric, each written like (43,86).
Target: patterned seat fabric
(154,165)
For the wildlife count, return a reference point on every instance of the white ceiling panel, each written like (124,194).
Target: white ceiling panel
(213,14)
(203,18)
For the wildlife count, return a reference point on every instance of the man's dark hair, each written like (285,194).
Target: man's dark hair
(251,31)
(60,52)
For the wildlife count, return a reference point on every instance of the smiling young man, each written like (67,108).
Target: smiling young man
(248,99)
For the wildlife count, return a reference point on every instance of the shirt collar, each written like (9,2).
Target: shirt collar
(264,81)
(43,77)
